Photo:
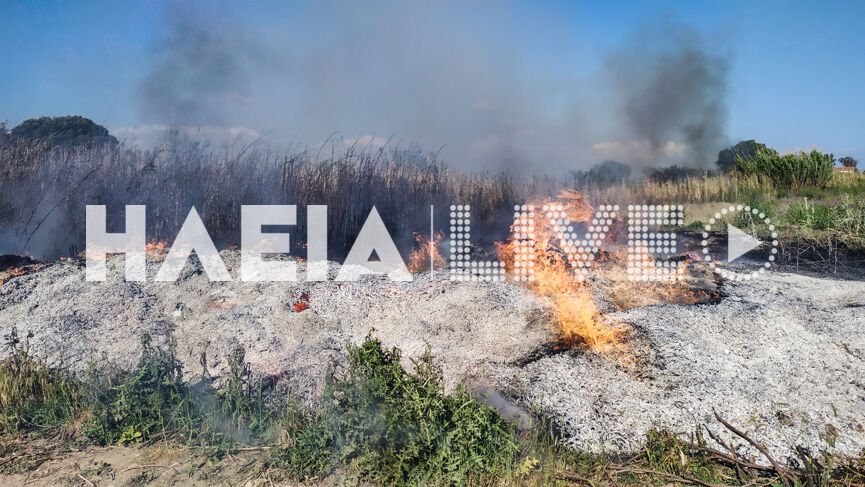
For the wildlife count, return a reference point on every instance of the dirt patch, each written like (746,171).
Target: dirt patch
(47,463)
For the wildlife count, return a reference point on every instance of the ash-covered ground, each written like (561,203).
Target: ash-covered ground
(781,357)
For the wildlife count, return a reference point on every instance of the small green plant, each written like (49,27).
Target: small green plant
(395,427)
(750,221)
(843,220)
(31,393)
(152,401)
(242,401)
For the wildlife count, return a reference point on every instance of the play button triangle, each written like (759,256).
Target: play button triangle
(739,243)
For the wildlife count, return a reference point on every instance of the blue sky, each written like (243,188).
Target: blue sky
(795,79)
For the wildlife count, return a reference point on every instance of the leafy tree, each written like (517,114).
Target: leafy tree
(745,149)
(65,131)
(4,134)
(848,162)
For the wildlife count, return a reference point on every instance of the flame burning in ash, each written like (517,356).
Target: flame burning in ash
(426,253)
(156,250)
(556,279)
(11,273)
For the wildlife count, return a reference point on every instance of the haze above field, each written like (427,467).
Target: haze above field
(492,85)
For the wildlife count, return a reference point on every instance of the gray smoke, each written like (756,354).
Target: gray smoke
(433,74)
(200,68)
(672,88)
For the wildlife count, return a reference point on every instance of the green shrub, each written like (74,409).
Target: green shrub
(394,427)
(790,171)
(809,215)
(152,401)
(244,408)
(310,450)
(33,395)
(751,222)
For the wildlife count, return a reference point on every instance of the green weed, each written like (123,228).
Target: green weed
(33,395)
(152,401)
(394,427)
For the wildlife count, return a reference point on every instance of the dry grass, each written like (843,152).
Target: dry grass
(43,191)
(717,188)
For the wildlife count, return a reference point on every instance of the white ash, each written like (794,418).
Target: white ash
(782,358)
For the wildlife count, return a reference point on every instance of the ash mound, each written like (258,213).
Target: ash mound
(781,357)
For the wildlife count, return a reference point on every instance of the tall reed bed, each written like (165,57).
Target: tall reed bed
(43,192)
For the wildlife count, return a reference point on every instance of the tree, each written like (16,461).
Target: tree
(745,149)
(848,162)
(4,134)
(63,131)
(673,173)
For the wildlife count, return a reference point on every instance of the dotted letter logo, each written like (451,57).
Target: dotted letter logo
(652,244)
(461,266)
(579,252)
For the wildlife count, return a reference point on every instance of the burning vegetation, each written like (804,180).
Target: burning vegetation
(556,264)
(553,260)
(156,250)
(12,266)
(425,255)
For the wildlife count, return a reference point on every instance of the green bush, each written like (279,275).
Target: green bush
(377,421)
(808,215)
(153,400)
(394,427)
(789,171)
(751,222)
(244,408)
(32,395)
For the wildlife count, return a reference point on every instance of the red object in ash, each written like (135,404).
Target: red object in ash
(302,304)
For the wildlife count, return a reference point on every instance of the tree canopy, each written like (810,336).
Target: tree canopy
(745,149)
(64,131)
(4,134)
(673,173)
(848,162)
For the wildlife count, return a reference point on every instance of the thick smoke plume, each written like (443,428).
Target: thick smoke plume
(199,70)
(672,89)
(436,75)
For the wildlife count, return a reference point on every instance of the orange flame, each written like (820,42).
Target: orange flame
(156,250)
(427,252)
(574,311)
(11,273)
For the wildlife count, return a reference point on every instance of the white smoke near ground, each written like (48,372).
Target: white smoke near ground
(444,77)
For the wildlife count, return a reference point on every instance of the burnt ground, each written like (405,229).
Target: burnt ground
(781,357)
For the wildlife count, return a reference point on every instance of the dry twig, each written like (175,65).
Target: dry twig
(782,473)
